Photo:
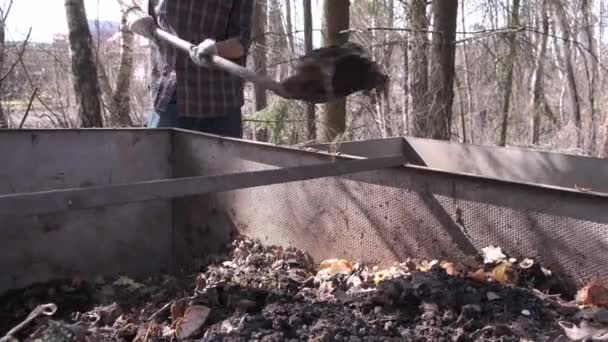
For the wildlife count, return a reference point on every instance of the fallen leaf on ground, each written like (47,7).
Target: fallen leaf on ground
(505,274)
(583,332)
(193,319)
(128,282)
(450,268)
(526,263)
(426,266)
(479,276)
(492,254)
(595,293)
(335,266)
(178,310)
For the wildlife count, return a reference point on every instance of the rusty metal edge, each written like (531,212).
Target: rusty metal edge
(45,202)
(324,154)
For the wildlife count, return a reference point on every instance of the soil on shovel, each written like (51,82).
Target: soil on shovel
(261,293)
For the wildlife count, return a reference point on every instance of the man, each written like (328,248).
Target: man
(190,96)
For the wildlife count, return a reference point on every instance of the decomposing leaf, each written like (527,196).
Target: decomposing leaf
(505,274)
(178,310)
(426,266)
(354,281)
(387,273)
(493,254)
(128,282)
(480,276)
(526,263)
(335,266)
(193,319)
(595,293)
(471,262)
(584,332)
(450,268)
(200,282)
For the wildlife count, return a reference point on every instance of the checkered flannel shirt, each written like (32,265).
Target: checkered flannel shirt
(199,91)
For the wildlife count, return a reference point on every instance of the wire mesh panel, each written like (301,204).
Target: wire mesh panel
(390,215)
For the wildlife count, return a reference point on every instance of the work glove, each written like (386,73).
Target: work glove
(140,22)
(201,53)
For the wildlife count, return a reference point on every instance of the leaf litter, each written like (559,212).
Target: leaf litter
(268,293)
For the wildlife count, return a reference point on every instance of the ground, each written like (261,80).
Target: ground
(270,294)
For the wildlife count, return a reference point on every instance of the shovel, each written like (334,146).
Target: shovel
(139,18)
(326,74)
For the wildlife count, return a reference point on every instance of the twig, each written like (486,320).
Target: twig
(45,309)
(159,311)
(19,57)
(29,106)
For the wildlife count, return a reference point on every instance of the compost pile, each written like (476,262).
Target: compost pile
(261,293)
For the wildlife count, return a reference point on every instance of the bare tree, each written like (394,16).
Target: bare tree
(467,77)
(507,80)
(336,17)
(592,73)
(4,12)
(562,19)
(84,69)
(310,107)
(418,66)
(259,51)
(538,86)
(122,92)
(443,54)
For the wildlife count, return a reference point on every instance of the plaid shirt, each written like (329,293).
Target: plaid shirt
(200,92)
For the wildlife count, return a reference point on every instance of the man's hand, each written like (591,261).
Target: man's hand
(201,54)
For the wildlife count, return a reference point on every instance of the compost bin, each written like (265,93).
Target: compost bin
(450,202)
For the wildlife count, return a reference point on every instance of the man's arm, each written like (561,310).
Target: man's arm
(236,46)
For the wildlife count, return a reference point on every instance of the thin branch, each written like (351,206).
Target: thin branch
(29,106)
(4,13)
(31,83)
(19,57)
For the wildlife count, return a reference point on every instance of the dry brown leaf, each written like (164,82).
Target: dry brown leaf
(450,268)
(201,282)
(193,319)
(178,310)
(335,266)
(595,293)
(479,276)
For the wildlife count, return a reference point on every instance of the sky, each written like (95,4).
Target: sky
(47,17)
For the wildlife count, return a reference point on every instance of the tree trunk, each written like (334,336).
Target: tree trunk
(443,54)
(467,78)
(280,50)
(571,78)
(336,18)
(310,107)
(289,24)
(418,67)
(3,118)
(86,85)
(406,89)
(122,96)
(592,75)
(538,87)
(259,51)
(507,82)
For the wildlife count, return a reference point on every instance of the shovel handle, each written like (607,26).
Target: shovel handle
(224,64)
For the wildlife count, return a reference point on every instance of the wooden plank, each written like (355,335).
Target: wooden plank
(85,198)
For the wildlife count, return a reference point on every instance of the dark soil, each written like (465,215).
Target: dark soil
(271,294)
